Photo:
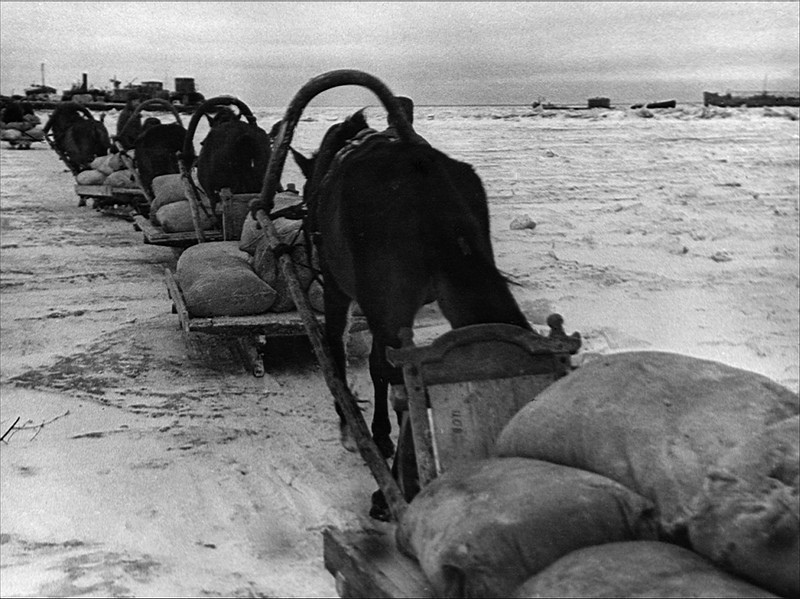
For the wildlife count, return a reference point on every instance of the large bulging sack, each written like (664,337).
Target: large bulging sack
(177,218)
(251,235)
(217,280)
(102,164)
(658,423)
(747,518)
(167,189)
(484,527)
(10,134)
(635,569)
(286,228)
(266,266)
(90,177)
(123,178)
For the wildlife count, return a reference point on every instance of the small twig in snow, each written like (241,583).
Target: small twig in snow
(3,438)
(37,427)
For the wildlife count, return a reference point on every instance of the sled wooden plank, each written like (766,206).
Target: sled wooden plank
(176,295)
(367,563)
(271,324)
(93,191)
(154,235)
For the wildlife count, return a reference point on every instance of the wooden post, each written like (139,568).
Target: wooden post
(227,201)
(341,394)
(427,466)
(193,200)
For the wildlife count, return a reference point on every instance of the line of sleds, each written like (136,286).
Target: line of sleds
(20,127)
(193,220)
(92,181)
(643,473)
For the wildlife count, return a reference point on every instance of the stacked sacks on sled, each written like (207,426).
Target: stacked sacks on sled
(639,474)
(20,124)
(107,170)
(241,278)
(265,264)
(171,210)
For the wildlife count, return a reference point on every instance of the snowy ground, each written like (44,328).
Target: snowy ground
(147,469)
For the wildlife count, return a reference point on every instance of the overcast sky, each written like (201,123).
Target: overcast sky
(435,52)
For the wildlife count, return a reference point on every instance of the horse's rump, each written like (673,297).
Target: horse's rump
(83,141)
(156,152)
(234,155)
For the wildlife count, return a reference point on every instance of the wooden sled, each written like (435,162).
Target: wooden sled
(230,211)
(460,390)
(250,332)
(115,200)
(122,200)
(22,143)
(104,197)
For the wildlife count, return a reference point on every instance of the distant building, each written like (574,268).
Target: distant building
(599,103)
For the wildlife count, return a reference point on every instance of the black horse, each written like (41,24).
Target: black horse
(77,135)
(235,155)
(397,225)
(157,152)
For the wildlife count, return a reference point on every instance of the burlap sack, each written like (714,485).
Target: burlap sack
(177,218)
(124,179)
(284,227)
(115,162)
(483,528)
(217,280)
(316,296)
(196,261)
(635,569)
(90,177)
(251,235)
(266,266)
(101,163)
(655,422)
(747,518)
(284,301)
(36,133)
(10,134)
(166,190)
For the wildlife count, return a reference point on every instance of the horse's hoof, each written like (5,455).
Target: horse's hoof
(347,439)
(385,446)
(380,509)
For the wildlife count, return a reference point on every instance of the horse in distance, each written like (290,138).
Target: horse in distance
(78,136)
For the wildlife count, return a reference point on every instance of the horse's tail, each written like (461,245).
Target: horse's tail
(456,228)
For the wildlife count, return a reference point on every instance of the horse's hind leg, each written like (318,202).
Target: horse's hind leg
(337,307)
(379,371)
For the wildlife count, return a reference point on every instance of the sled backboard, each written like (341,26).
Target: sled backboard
(464,387)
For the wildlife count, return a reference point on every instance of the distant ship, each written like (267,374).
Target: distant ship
(590,103)
(662,104)
(755,99)
(185,98)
